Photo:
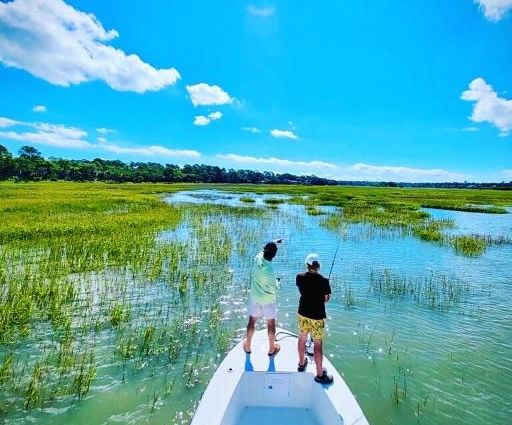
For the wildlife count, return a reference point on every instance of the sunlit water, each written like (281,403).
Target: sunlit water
(405,360)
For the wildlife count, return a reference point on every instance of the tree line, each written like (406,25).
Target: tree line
(30,165)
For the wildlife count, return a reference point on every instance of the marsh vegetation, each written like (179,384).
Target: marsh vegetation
(110,292)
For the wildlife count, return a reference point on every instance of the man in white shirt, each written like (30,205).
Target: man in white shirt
(262,301)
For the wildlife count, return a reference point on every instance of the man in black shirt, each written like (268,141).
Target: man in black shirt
(315,291)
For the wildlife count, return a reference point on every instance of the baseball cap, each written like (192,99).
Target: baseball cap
(312,258)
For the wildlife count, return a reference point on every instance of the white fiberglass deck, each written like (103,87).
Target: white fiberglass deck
(250,388)
(280,415)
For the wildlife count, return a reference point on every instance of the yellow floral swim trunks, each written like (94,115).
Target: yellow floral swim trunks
(312,326)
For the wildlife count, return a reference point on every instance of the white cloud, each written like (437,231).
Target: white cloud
(39,108)
(149,150)
(489,107)
(7,122)
(62,45)
(494,10)
(105,131)
(204,94)
(283,133)
(261,12)
(354,172)
(72,137)
(49,134)
(470,129)
(251,129)
(201,120)
(217,115)
(243,159)
(394,173)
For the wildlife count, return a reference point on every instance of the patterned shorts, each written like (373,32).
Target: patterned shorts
(312,326)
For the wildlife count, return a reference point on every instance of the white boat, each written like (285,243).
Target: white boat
(254,388)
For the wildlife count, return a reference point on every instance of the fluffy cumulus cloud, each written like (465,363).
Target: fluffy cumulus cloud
(149,150)
(217,115)
(202,120)
(488,106)
(261,12)
(203,94)
(39,108)
(62,45)
(287,134)
(494,10)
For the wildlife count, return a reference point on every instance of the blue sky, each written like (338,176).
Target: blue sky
(366,90)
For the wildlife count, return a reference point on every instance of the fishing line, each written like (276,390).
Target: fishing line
(286,334)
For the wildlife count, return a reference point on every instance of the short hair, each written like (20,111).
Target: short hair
(270,247)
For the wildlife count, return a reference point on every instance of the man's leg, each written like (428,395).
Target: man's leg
(271,330)
(318,354)
(303,336)
(250,333)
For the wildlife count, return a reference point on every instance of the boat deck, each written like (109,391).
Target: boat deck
(253,388)
(272,415)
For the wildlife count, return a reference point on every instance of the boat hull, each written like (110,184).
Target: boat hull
(246,388)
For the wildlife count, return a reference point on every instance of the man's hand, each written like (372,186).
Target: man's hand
(327,297)
(278,240)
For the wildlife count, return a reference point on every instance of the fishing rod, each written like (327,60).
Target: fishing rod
(334,258)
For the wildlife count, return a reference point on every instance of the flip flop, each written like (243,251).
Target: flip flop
(277,348)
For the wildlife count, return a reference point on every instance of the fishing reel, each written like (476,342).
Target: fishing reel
(310,346)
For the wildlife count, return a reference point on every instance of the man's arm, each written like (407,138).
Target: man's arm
(327,293)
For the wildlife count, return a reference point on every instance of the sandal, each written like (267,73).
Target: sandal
(302,367)
(276,350)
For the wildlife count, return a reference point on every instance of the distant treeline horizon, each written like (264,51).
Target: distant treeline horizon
(30,165)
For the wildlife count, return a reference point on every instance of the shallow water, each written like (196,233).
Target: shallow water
(407,359)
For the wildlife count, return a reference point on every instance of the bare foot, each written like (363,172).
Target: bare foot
(246,349)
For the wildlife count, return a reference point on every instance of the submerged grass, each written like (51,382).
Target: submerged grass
(437,291)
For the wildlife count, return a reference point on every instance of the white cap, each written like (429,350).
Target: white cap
(311,258)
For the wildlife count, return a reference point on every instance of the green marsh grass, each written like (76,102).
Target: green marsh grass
(85,263)
(394,209)
(469,245)
(274,201)
(95,274)
(247,200)
(436,291)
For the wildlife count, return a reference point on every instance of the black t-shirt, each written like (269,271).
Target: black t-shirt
(312,287)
